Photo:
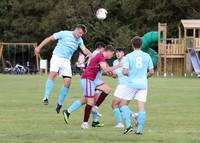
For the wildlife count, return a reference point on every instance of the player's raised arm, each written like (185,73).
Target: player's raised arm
(43,43)
(86,51)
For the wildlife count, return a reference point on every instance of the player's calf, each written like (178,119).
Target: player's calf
(117,114)
(63,93)
(87,111)
(141,120)
(48,88)
(127,115)
(141,99)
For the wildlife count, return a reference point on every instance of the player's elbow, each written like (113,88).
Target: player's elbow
(50,38)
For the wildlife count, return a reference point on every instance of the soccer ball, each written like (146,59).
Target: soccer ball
(101,14)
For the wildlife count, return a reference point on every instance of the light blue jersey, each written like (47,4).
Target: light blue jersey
(137,63)
(67,44)
(121,78)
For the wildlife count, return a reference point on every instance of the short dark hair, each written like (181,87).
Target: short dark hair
(119,49)
(83,27)
(137,42)
(99,45)
(109,48)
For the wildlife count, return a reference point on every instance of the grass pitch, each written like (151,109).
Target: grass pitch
(173,113)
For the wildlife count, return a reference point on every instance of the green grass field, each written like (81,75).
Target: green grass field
(173,113)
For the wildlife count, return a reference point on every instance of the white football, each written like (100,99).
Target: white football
(101,14)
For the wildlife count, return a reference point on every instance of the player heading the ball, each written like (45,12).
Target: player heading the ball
(67,43)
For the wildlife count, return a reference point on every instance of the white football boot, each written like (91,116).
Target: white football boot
(85,125)
(119,126)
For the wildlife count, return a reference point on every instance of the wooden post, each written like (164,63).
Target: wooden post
(37,59)
(159,56)
(165,60)
(1,50)
(179,32)
(1,55)
(199,33)
(188,65)
(185,49)
(194,39)
(162,28)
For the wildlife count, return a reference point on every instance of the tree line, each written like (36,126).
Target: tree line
(33,20)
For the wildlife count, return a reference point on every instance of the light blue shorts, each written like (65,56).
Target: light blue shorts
(88,87)
(98,82)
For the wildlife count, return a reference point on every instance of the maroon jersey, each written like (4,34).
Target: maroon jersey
(93,67)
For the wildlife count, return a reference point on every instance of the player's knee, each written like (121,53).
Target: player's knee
(83,101)
(52,75)
(123,103)
(67,82)
(90,101)
(115,104)
(141,106)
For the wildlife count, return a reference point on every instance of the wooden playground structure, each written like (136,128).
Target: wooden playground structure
(172,52)
(15,52)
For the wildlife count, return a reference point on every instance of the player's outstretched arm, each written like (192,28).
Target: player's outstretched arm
(116,66)
(106,68)
(43,43)
(119,65)
(150,73)
(86,51)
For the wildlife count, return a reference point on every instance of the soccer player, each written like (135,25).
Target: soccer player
(122,79)
(99,47)
(88,85)
(68,43)
(102,89)
(138,67)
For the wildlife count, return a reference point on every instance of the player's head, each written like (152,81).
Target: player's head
(80,30)
(119,52)
(136,42)
(100,46)
(109,51)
